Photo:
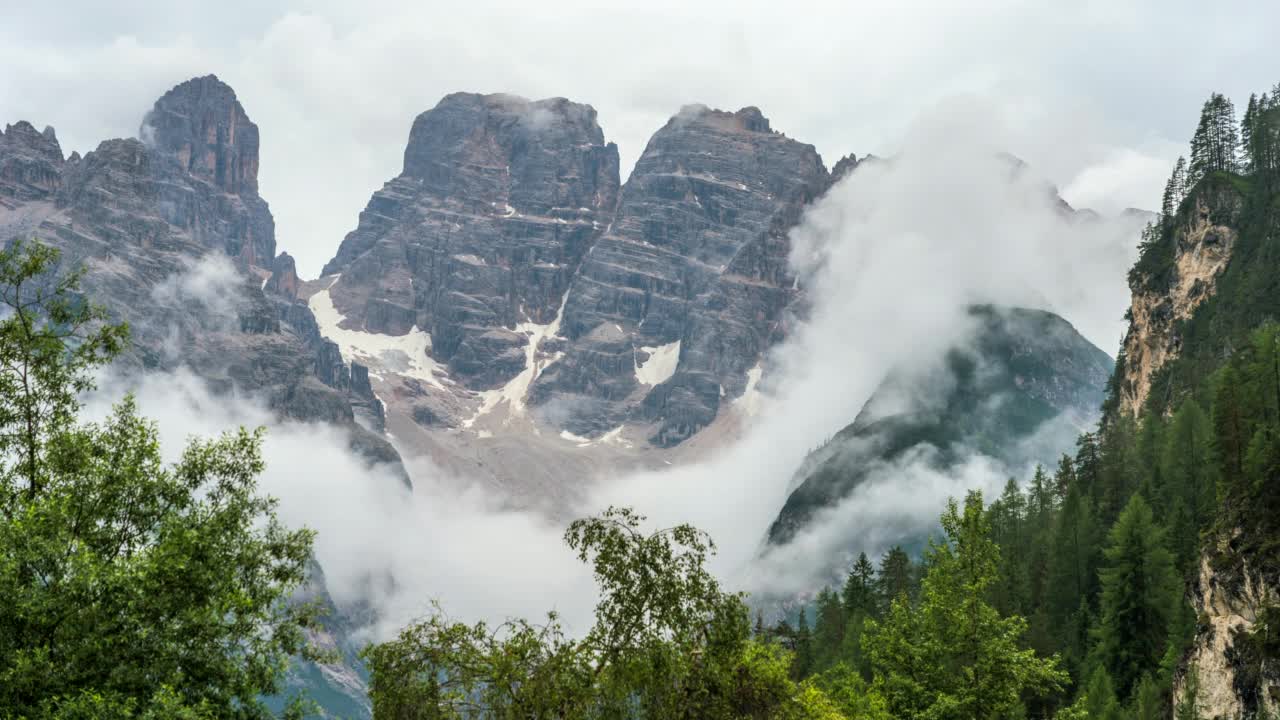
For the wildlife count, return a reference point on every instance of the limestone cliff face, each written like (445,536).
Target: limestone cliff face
(1234,683)
(30,164)
(499,200)
(1203,238)
(691,276)
(542,283)
(176,241)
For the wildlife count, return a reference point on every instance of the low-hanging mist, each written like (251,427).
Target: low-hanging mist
(889,261)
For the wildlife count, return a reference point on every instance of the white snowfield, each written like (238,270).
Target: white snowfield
(750,400)
(408,355)
(516,389)
(613,437)
(660,365)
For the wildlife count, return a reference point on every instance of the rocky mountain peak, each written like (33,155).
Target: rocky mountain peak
(30,162)
(203,125)
(513,151)
(500,199)
(748,119)
(23,134)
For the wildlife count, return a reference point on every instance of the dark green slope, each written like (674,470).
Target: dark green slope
(1022,369)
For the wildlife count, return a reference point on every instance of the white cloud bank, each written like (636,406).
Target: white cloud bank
(889,259)
(334,85)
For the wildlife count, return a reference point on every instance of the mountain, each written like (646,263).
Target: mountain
(515,304)
(1206,281)
(177,242)
(1020,372)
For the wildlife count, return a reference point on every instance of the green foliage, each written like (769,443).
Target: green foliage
(955,656)
(128,588)
(667,642)
(1138,588)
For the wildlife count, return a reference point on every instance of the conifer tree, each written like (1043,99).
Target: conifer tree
(1247,123)
(1231,435)
(828,630)
(1174,191)
(956,656)
(1065,477)
(1073,571)
(803,664)
(1100,698)
(896,575)
(1138,582)
(859,594)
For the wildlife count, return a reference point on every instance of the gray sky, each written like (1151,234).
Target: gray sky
(1100,95)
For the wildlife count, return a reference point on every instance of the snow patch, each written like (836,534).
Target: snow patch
(613,437)
(408,355)
(749,403)
(515,391)
(660,365)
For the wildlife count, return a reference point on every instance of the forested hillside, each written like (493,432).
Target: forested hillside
(1148,561)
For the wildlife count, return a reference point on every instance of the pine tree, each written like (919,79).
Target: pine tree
(1187,470)
(1138,582)
(1215,142)
(1065,477)
(1100,698)
(802,666)
(1149,701)
(1174,190)
(1247,124)
(1073,571)
(828,631)
(897,577)
(956,656)
(1008,518)
(1231,435)
(1088,462)
(859,594)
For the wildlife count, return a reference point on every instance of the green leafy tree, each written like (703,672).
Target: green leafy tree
(667,642)
(1138,582)
(126,583)
(955,656)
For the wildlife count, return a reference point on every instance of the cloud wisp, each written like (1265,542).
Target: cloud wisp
(889,261)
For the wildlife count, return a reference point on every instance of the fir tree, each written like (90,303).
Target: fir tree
(1138,582)
(897,577)
(1065,477)
(956,656)
(859,594)
(803,665)
(828,631)
(1231,436)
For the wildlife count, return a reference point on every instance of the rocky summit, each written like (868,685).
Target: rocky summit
(499,200)
(1016,374)
(677,302)
(543,289)
(176,240)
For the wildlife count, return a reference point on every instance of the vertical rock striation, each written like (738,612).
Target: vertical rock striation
(694,266)
(499,200)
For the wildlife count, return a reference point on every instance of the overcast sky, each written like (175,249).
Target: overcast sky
(1102,95)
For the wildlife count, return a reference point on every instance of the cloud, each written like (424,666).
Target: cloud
(335,86)
(380,544)
(889,260)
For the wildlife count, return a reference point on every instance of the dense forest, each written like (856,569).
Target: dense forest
(134,589)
